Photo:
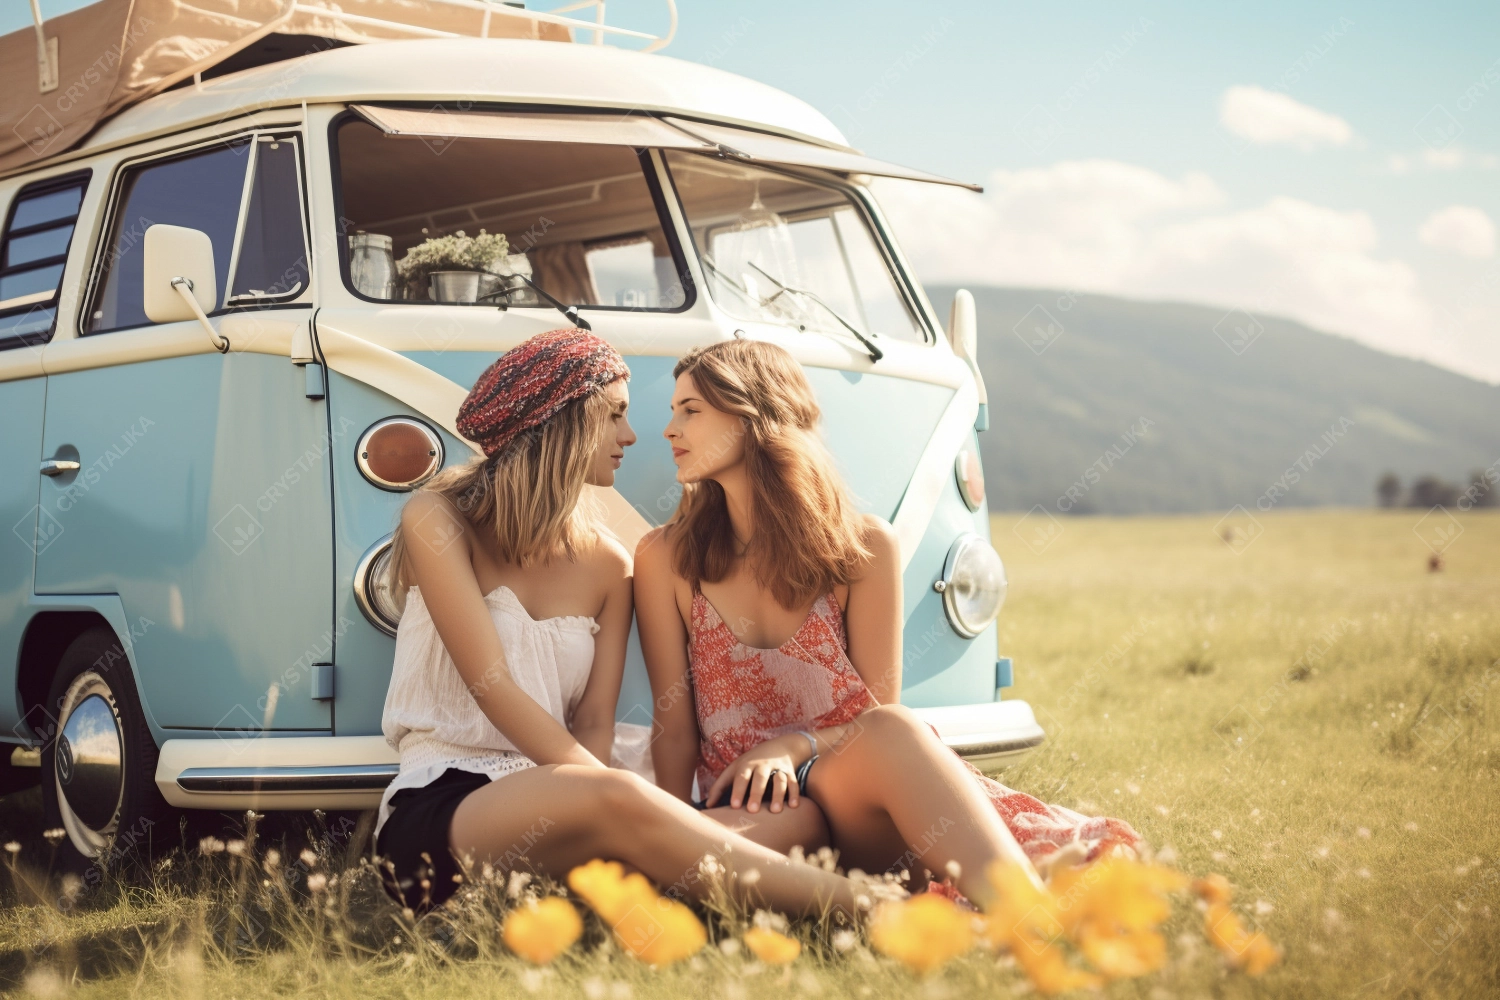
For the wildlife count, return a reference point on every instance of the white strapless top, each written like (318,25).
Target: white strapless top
(430,714)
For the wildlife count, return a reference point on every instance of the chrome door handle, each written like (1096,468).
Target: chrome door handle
(57,466)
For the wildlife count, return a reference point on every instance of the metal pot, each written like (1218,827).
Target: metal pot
(372,265)
(453,286)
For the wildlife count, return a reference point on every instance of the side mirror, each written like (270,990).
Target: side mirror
(963,334)
(173,252)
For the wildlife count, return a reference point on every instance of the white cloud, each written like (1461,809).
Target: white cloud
(1448,158)
(1266,116)
(1111,227)
(1460,229)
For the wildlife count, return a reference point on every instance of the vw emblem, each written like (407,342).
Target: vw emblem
(64,760)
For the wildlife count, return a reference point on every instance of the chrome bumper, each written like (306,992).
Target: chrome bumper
(351,772)
(987,735)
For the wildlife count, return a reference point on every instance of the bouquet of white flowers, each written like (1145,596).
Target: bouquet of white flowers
(450,253)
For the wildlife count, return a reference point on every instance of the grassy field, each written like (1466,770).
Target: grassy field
(1305,709)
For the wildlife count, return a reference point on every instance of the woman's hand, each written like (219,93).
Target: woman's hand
(772,763)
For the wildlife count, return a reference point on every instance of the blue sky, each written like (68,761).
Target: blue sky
(1336,163)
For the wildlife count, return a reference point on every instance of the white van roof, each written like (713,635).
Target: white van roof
(115,60)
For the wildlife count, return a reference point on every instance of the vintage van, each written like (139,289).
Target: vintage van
(221,374)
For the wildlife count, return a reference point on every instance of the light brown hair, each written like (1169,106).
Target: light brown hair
(808,535)
(528,496)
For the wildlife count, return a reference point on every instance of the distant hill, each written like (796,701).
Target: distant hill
(1072,378)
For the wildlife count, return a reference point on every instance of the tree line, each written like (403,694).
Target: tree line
(1482,490)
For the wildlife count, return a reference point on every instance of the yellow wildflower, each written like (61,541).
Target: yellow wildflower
(542,929)
(771,947)
(657,931)
(1253,953)
(925,931)
(1047,967)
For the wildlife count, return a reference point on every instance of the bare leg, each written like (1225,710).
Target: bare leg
(557,816)
(895,796)
(802,827)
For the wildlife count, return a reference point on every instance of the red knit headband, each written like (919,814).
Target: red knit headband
(530,383)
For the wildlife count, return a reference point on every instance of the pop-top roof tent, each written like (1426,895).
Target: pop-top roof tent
(67,76)
(80,68)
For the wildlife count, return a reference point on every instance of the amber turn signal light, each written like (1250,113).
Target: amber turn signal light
(399,453)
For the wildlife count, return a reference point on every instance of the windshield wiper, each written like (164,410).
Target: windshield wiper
(571,312)
(875,353)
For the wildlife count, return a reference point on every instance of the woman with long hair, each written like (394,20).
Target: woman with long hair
(778,605)
(511,648)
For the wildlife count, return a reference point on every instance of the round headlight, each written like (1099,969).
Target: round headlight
(970,474)
(973,585)
(374,590)
(399,453)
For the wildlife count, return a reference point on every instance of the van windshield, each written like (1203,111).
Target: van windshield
(780,249)
(580,221)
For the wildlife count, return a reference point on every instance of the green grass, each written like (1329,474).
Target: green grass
(1312,716)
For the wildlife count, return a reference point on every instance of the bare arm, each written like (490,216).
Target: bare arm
(664,640)
(873,616)
(438,548)
(593,721)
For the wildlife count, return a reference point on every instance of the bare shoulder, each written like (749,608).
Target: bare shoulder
(609,557)
(432,516)
(880,538)
(653,553)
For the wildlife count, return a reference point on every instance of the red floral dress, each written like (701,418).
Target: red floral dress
(746,695)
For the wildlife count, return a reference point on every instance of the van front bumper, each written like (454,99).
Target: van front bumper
(351,772)
(987,735)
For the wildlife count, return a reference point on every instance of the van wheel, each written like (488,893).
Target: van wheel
(99,769)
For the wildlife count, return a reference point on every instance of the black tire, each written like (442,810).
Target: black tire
(13,778)
(92,688)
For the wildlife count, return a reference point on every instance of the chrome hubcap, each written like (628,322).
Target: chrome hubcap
(90,764)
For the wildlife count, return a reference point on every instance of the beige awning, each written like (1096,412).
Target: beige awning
(640,131)
(116,53)
(761,147)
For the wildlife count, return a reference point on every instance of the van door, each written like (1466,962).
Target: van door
(202,492)
(39,224)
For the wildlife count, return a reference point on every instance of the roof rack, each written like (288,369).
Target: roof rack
(597,27)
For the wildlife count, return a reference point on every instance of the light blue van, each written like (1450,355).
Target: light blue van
(221,374)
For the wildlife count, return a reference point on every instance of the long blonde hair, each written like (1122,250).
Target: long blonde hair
(529,495)
(808,535)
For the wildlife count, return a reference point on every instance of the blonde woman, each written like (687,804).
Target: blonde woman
(511,648)
(779,606)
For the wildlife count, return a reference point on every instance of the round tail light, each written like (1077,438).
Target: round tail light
(399,453)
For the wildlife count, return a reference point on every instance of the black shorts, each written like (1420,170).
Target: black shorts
(801,775)
(419,824)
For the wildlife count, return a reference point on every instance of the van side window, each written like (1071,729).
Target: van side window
(38,229)
(200,191)
(271,259)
